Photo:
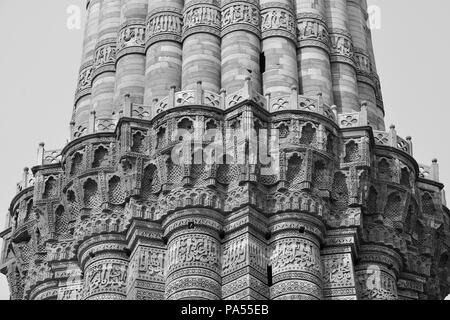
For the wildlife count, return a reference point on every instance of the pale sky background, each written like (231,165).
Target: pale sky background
(40,57)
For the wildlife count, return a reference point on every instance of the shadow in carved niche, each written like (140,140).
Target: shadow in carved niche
(384,170)
(211,130)
(443,274)
(138,142)
(352,152)
(100,157)
(320,175)
(418,234)
(372,207)
(29,210)
(186,128)
(37,235)
(16,218)
(393,212)
(150,182)
(77,164)
(330,144)
(404,178)
(51,188)
(160,141)
(283,131)
(174,173)
(116,194)
(411,218)
(61,223)
(339,194)
(294,173)
(427,204)
(308,134)
(91,194)
(73,208)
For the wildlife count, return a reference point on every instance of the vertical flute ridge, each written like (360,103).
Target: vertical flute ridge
(313,53)
(163,49)
(343,67)
(201,45)
(130,60)
(83,98)
(366,82)
(279,46)
(104,75)
(241,44)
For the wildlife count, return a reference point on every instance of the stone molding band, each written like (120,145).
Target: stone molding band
(312,31)
(105,57)
(84,86)
(277,20)
(164,24)
(241,16)
(201,17)
(342,50)
(131,38)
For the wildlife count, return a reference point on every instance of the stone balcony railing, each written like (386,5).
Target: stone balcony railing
(27,180)
(382,138)
(94,125)
(392,140)
(224,101)
(429,172)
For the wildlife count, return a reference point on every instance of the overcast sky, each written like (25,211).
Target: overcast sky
(40,57)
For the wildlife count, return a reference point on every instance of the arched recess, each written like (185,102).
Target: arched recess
(339,194)
(77,164)
(384,170)
(138,144)
(393,211)
(91,194)
(405,177)
(150,181)
(321,175)
(428,206)
(352,153)
(116,194)
(51,188)
(161,138)
(309,135)
(100,157)
(295,172)
(61,223)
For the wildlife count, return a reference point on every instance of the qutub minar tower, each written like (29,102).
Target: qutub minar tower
(347,214)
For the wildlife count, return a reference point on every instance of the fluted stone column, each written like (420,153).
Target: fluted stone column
(83,102)
(164,50)
(279,45)
(375,78)
(343,67)
(313,52)
(338,258)
(244,267)
(295,257)
(241,44)
(366,85)
(145,279)
(377,273)
(104,76)
(104,262)
(201,45)
(194,255)
(130,60)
